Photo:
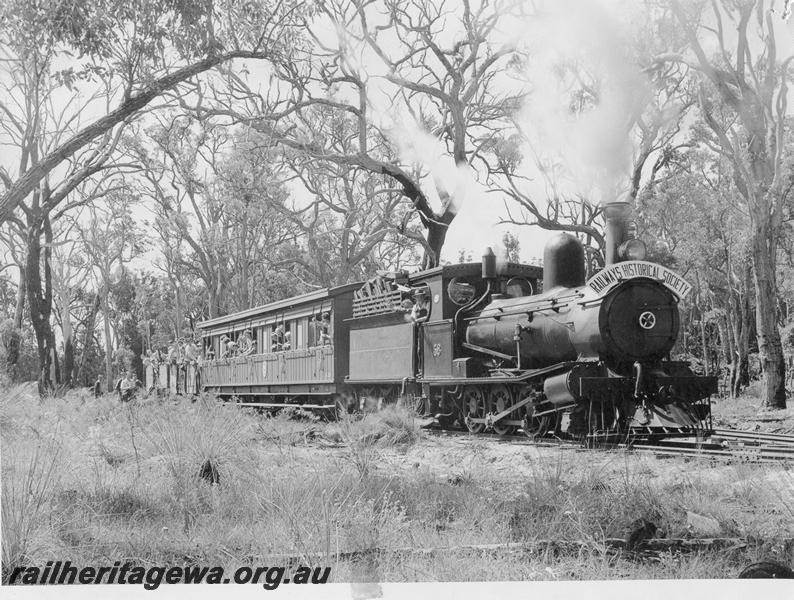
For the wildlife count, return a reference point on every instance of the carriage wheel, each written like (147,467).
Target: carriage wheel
(474,407)
(500,399)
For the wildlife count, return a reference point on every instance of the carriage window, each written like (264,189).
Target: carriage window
(281,336)
(319,332)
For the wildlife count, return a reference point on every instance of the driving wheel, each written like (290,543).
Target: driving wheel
(474,408)
(500,400)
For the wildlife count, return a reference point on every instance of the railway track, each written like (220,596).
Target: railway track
(724,444)
(731,445)
(775,439)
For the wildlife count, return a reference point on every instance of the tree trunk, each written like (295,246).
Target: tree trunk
(19,310)
(743,345)
(723,331)
(63,295)
(436,236)
(108,344)
(740,312)
(244,283)
(769,343)
(68,359)
(178,303)
(14,345)
(701,313)
(40,301)
(88,340)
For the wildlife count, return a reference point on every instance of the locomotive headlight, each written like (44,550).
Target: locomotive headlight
(632,250)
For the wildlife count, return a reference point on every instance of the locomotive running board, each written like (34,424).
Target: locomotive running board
(487,351)
(436,381)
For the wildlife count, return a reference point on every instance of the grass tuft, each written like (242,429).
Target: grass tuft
(28,484)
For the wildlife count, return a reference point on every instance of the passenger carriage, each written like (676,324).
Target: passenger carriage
(311,371)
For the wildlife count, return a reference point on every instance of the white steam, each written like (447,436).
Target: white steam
(585,94)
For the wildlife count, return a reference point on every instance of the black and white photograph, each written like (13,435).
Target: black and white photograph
(332,298)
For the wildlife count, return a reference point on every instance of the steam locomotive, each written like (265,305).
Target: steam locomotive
(489,347)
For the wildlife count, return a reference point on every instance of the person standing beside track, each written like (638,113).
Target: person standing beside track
(127,386)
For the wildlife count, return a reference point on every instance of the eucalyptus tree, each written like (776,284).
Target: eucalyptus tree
(70,273)
(696,220)
(109,238)
(353,222)
(420,84)
(128,54)
(742,94)
(74,74)
(219,206)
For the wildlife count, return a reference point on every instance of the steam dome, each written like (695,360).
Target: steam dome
(563,262)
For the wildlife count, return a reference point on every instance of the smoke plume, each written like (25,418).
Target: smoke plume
(585,91)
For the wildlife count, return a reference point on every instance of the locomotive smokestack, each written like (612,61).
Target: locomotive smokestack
(617,216)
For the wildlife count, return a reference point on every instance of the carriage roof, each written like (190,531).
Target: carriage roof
(287,308)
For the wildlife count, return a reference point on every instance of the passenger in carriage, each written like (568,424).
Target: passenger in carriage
(316,322)
(245,343)
(231,347)
(277,336)
(325,330)
(287,345)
